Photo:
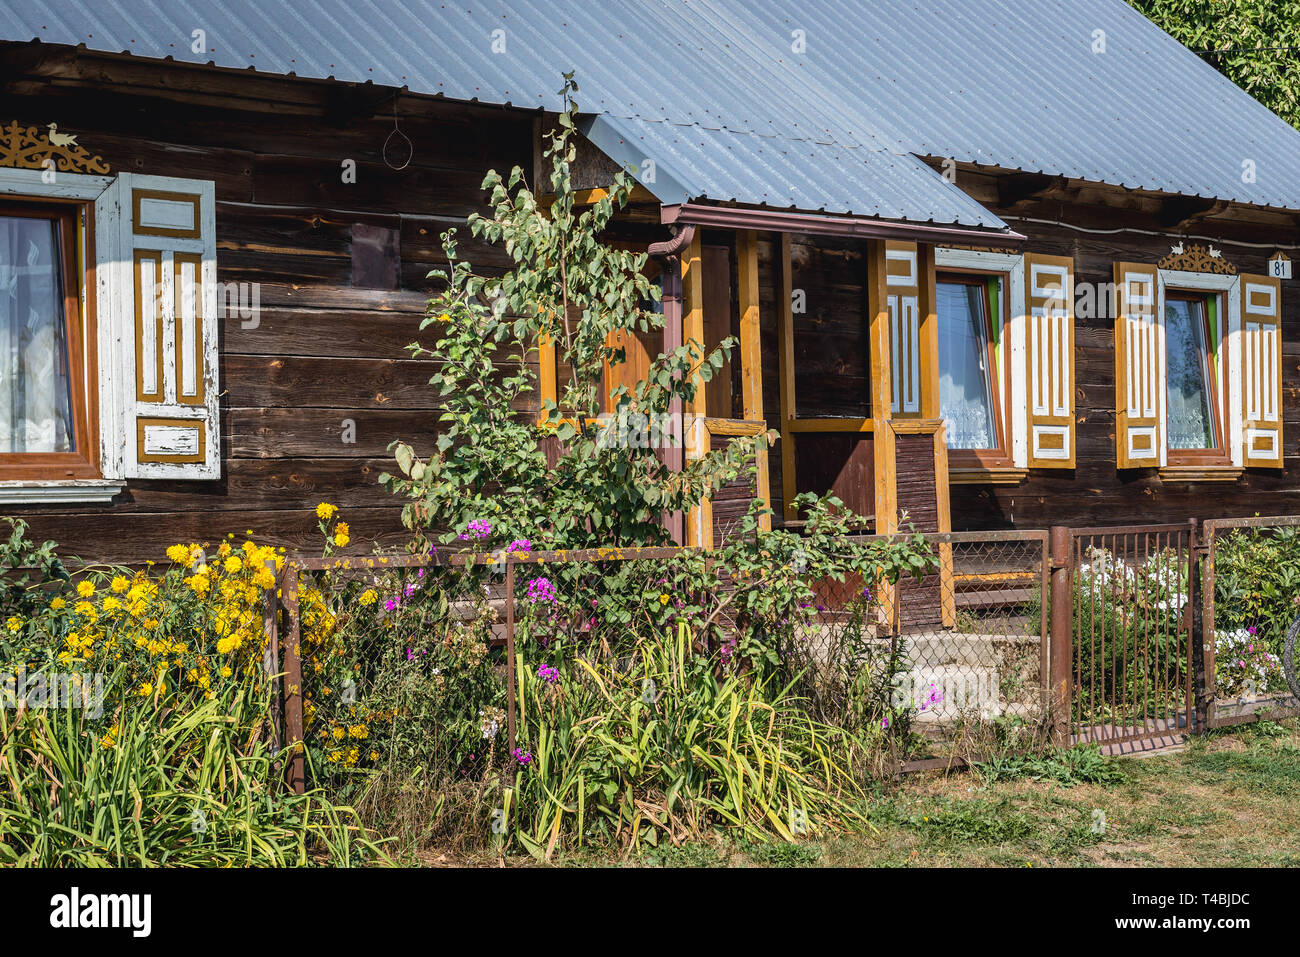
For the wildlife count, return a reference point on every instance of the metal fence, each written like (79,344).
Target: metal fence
(928,662)
(1125,637)
(1130,607)
(1250,595)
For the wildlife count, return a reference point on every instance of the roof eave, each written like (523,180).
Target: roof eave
(795,221)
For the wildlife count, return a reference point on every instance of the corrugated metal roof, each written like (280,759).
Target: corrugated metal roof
(692,162)
(715,88)
(724,115)
(1023,85)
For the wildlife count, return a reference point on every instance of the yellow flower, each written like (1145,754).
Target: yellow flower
(85,589)
(225,671)
(369,597)
(339,733)
(180,554)
(111,604)
(121,583)
(145,690)
(57,604)
(663,599)
(325,511)
(341,539)
(14,623)
(233,565)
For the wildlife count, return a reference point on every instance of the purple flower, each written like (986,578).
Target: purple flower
(541,589)
(478,528)
(548,674)
(520,545)
(522,756)
(410,655)
(884,723)
(390,604)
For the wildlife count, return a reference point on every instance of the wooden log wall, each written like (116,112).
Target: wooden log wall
(325,352)
(1125,227)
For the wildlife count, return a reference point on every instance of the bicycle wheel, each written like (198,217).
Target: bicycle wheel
(1288,657)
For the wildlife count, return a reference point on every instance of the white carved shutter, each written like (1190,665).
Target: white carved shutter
(1261,371)
(1049,295)
(902,294)
(1139,368)
(166,310)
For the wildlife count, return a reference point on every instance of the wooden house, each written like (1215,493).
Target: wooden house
(1006,263)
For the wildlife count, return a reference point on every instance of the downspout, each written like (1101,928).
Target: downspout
(670,252)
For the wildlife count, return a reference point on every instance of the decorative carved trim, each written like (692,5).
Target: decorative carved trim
(1197,258)
(24,148)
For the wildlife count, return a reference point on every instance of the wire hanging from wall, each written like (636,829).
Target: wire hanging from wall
(410,147)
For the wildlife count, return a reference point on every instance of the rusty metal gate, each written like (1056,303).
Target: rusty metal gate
(1130,669)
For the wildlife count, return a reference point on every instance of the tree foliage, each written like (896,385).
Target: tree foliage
(1259,40)
(568,285)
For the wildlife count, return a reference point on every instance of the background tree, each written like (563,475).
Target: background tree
(1256,43)
(490,479)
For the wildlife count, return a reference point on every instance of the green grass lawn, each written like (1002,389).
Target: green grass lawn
(1227,799)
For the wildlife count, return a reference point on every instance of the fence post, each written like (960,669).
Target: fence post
(1208,650)
(297,777)
(1062,638)
(1200,636)
(510,653)
(271,656)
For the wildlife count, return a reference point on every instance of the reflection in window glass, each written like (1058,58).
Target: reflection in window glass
(1191,409)
(35,398)
(965,386)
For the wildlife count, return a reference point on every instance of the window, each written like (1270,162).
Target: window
(969,309)
(1198,364)
(45,429)
(1193,427)
(108,334)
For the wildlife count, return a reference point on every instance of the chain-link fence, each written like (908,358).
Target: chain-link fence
(1250,596)
(425,660)
(961,652)
(396,661)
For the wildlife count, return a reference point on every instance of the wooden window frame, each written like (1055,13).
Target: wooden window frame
(75,221)
(1220,454)
(999,457)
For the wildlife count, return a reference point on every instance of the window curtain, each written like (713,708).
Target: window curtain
(1190,416)
(965,392)
(35,405)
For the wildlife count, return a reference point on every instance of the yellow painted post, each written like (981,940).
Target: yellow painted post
(785,349)
(751,359)
(699,524)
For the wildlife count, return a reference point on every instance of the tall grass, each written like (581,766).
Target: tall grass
(653,745)
(195,785)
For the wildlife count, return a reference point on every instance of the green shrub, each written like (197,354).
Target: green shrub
(1257,582)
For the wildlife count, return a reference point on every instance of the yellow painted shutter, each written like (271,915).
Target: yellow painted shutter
(168,312)
(902,296)
(1049,306)
(1139,382)
(1261,371)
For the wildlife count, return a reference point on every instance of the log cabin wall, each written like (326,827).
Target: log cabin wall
(1111,225)
(336,309)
